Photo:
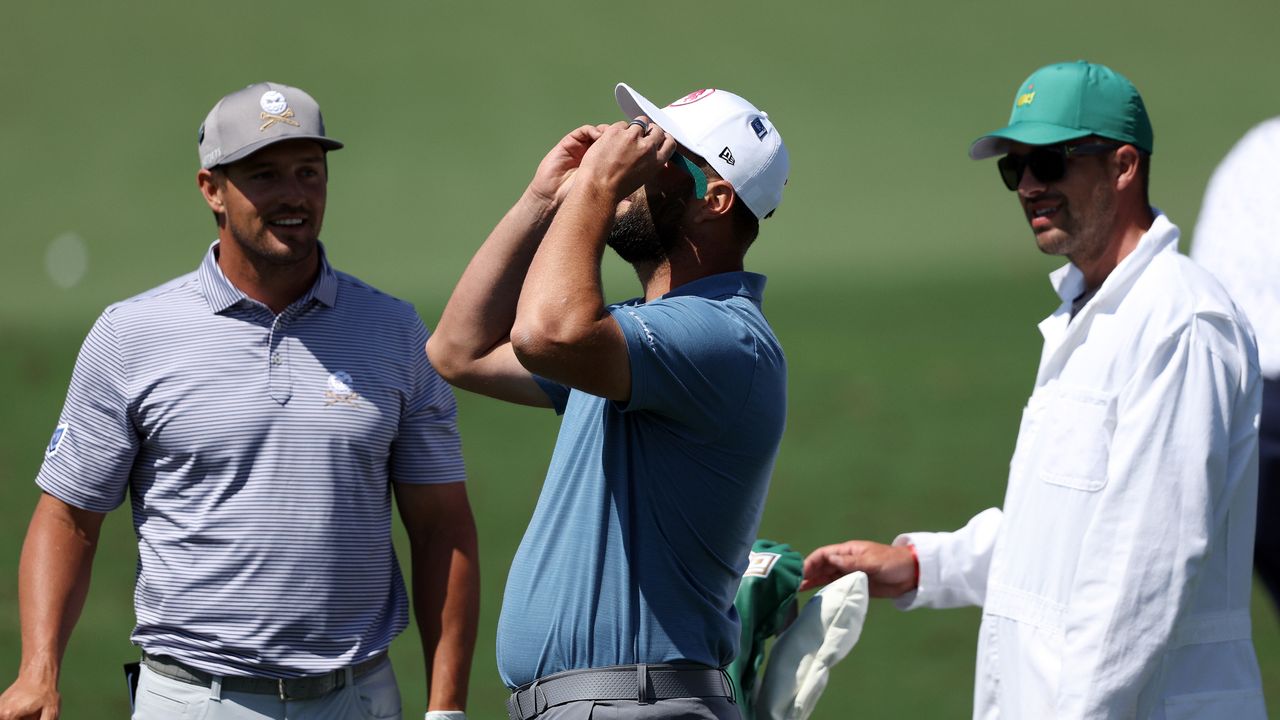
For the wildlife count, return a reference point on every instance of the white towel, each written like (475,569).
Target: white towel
(802,657)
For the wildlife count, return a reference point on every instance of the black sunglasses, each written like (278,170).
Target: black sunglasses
(1048,164)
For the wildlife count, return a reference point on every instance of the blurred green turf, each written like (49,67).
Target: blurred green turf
(904,284)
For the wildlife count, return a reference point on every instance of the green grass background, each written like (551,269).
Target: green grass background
(903,281)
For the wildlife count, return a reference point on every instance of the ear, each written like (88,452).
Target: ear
(1125,162)
(211,189)
(717,202)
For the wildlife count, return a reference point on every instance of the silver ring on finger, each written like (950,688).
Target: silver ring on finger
(644,126)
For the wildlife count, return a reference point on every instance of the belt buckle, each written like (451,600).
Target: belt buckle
(309,687)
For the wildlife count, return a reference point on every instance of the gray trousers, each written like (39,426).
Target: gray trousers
(676,709)
(374,696)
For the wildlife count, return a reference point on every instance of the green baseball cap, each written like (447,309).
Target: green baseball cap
(1067,101)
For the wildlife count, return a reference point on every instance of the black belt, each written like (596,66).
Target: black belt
(642,683)
(308,687)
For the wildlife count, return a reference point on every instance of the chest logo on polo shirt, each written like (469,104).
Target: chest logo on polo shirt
(341,389)
(59,434)
(761,564)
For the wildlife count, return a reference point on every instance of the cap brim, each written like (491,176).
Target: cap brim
(247,150)
(1028,133)
(633,104)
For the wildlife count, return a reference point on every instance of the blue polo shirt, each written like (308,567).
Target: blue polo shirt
(649,508)
(258,452)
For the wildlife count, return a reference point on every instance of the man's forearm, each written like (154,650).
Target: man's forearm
(563,292)
(53,582)
(561,308)
(483,304)
(446,582)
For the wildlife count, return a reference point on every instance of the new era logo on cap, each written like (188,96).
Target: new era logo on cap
(736,138)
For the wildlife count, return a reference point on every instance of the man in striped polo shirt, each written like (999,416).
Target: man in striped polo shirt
(260,412)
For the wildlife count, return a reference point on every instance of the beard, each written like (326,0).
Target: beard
(256,240)
(648,229)
(1083,231)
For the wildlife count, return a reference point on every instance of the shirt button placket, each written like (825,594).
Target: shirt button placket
(278,374)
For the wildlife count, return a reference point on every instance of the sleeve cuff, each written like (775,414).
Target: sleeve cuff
(926,546)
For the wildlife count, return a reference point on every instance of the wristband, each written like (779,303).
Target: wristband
(445,715)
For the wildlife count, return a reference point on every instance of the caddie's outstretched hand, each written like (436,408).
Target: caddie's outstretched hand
(891,570)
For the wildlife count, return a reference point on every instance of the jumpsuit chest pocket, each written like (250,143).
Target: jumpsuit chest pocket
(1075,427)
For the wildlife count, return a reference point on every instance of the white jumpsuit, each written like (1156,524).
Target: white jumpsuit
(1115,582)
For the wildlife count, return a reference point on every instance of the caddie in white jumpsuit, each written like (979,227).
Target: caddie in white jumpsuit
(1115,580)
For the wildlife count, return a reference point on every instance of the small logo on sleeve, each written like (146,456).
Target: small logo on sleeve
(761,564)
(648,334)
(340,389)
(59,434)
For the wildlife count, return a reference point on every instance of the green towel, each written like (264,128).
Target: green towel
(766,604)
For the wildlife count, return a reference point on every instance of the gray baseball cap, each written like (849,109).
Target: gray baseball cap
(262,114)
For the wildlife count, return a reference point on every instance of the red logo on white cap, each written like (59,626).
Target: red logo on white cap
(694,96)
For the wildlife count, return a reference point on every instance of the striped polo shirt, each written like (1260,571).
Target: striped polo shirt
(258,452)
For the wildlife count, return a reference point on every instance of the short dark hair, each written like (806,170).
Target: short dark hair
(745,223)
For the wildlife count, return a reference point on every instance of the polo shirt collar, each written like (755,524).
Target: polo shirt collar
(221,294)
(746,284)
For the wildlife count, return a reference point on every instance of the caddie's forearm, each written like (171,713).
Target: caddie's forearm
(53,582)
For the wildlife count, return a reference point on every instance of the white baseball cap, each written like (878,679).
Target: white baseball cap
(732,135)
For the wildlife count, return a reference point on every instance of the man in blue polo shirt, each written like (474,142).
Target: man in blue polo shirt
(621,593)
(260,412)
